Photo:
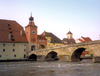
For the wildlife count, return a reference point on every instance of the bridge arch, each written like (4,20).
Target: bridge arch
(51,56)
(76,54)
(33,57)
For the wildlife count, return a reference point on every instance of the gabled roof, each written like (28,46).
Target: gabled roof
(10,31)
(69,32)
(81,40)
(86,39)
(54,39)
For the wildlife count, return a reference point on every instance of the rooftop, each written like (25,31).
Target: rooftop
(54,39)
(11,31)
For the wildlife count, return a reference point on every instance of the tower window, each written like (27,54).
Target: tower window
(33,32)
(43,41)
(26,32)
(0,55)
(39,40)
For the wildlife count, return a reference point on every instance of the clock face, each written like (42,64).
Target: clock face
(33,32)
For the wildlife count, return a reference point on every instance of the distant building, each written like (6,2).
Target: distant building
(35,41)
(15,43)
(52,40)
(42,42)
(85,53)
(69,39)
(83,39)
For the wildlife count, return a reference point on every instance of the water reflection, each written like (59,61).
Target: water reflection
(83,68)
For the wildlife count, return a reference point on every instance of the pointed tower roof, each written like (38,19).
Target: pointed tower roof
(69,32)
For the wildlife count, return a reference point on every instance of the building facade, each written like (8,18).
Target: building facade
(69,39)
(35,41)
(83,39)
(13,41)
(16,43)
(85,53)
(52,40)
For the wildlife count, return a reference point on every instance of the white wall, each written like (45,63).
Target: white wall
(9,53)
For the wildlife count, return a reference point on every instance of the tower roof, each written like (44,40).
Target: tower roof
(69,32)
(31,18)
(31,21)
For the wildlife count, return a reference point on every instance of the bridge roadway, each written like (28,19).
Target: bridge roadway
(67,52)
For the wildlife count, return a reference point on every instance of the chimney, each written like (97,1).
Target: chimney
(21,32)
(9,36)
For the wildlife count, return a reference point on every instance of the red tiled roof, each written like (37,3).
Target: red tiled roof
(81,40)
(13,28)
(86,39)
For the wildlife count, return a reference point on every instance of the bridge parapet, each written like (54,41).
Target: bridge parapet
(71,45)
(67,51)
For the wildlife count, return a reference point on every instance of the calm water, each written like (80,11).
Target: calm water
(56,68)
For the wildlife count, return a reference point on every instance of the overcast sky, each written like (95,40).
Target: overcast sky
(81,17)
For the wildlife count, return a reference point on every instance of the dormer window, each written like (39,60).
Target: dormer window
(13,39)
(11,35)
(8,24)
(10,31)
(9,28)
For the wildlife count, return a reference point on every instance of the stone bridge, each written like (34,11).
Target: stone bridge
(67,52)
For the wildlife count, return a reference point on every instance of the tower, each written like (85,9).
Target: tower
(31,34)
(69,35)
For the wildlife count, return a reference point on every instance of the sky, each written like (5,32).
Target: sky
(81,17)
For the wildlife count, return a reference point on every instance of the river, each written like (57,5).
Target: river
(51,68)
